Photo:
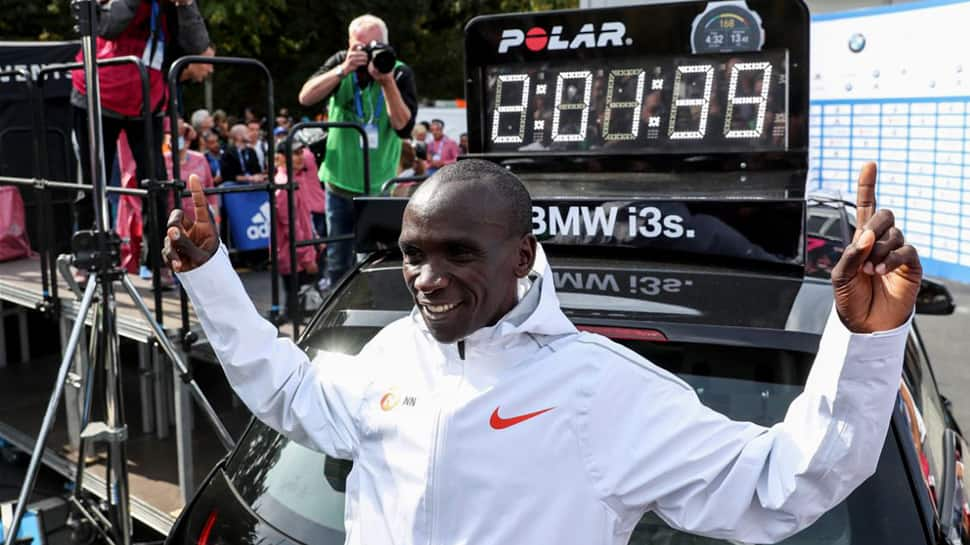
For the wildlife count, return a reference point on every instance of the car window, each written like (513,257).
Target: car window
(287,484)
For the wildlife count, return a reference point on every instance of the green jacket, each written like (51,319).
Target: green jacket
(343,166)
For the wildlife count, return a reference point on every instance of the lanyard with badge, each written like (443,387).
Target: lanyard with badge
(154,53)
(370,127)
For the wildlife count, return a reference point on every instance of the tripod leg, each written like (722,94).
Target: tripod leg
(180,366)
(87,386)
(50,414)
(115,416)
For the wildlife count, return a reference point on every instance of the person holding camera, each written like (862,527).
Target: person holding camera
(369,86)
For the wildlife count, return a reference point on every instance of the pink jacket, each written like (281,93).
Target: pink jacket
(311,190)
(446,150)
(195,163)
(304,228)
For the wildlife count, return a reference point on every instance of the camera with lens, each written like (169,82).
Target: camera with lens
(381,55)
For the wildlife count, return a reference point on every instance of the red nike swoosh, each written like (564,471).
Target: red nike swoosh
(499,423)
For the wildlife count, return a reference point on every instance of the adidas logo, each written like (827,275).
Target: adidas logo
(259,224)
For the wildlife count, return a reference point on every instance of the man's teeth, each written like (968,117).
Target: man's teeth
(438,309)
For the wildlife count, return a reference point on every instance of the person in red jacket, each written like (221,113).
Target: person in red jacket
(158,32)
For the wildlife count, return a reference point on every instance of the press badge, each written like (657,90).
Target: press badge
(373,135)
(153,57)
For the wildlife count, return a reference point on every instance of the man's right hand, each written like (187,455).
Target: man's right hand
(190,244)
(355,58)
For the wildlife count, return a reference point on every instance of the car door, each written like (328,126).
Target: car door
(932,412)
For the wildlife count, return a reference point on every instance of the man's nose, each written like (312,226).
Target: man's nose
(430,279)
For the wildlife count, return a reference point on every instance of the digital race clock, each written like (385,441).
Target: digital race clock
(681,103)
(632,81)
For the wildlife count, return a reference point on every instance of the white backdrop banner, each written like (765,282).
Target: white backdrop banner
(892,85)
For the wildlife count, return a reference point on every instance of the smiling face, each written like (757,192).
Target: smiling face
(462,257)
(437,130)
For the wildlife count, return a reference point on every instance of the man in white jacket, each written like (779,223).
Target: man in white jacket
(486,418)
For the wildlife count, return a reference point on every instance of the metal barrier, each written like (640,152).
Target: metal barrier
(46,273)
(153,252)
(296,314)
(174,73)
(402,180)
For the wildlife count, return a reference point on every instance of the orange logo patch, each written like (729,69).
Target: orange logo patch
(390,400)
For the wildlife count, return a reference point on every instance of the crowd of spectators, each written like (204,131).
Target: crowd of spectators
(222,148)
(243,148)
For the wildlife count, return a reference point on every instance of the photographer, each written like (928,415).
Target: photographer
(367,85)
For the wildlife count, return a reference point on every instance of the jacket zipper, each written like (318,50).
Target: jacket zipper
(440,429)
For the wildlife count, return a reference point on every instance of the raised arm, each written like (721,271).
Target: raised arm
(313,403)
(328,77)
(654,446)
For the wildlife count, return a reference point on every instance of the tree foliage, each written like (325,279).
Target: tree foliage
(293,38)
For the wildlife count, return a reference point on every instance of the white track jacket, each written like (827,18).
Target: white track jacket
(542,434)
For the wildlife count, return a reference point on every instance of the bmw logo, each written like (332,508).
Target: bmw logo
(857,42)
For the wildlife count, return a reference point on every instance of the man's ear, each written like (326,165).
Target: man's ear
(527,255)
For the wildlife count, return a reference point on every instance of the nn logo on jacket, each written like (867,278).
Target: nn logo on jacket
(392,399)
(610,34)
(259,224)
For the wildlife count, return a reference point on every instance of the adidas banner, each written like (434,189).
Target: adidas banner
(248,217)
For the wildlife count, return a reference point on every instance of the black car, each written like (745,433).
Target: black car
(743,338)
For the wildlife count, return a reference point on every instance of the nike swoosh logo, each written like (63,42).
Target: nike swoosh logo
(499,423)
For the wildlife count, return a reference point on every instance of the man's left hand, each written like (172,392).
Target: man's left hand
(380,77)
(878,276)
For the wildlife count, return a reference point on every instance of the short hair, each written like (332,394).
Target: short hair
(425,124)
(198,116)
(438,121)
(498,179)
(368,20)
(239,131)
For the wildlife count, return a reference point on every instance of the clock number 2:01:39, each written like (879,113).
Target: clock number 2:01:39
(571,100)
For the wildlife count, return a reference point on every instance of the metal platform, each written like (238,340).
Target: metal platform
(165,466)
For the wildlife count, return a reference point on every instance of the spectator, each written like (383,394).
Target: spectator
(463,143)
(306,257)
(420,133)
(385,103)
(239,163)
(279,135)
(258,143)
(284,119)
(213,154)
(202,123)
(192,162)
(221,126)
(443,150)
(410,165)
(162,32)
(250,116)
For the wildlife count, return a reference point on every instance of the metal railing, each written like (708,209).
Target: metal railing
(174,75)
(296,314)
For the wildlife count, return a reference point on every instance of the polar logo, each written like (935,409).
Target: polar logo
(259,224)
(611,34)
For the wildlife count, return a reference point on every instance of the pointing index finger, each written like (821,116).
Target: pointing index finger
(865,195)
(198,200)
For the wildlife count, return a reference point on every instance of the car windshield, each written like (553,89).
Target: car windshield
(300,492)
